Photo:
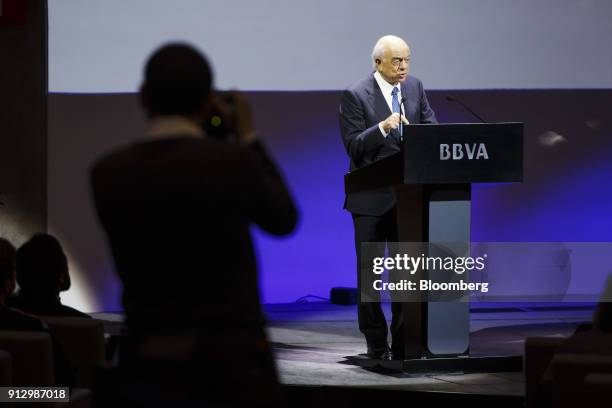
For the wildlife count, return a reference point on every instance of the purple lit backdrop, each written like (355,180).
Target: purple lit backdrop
(565,196)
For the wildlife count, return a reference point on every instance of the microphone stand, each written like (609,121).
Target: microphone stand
(401,114)
(467,108)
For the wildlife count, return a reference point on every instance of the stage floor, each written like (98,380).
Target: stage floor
(312,341)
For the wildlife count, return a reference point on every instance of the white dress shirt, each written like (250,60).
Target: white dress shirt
(386,89)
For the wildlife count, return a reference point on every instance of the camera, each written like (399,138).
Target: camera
(221,121)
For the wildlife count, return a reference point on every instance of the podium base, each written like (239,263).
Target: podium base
(464,364)
(442,365)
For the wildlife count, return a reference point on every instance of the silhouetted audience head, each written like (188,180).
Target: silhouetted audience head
(7,269)
(42,267)
(177,81)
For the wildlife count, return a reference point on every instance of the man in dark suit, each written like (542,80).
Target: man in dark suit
(177,208)
(370,126)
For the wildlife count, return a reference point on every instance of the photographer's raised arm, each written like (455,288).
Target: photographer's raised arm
(266,197)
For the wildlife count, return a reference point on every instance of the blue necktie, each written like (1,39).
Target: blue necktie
(394,101)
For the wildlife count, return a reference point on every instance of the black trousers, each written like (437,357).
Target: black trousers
(372,322)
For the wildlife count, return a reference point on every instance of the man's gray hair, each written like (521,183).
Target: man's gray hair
(380,46)
(377,53)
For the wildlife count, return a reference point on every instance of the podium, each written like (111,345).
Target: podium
(432,177)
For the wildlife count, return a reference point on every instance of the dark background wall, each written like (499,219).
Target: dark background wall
(23,119)
(566,195)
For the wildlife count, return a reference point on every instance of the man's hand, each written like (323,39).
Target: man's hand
(393,122)
(245,129)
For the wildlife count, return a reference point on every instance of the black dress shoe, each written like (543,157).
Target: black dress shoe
(377,353)
(396,355)
(388,355)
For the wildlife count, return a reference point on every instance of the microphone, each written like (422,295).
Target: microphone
(453,99)
(401,114)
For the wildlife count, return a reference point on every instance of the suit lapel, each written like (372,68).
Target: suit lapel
(408,104)
(377,101)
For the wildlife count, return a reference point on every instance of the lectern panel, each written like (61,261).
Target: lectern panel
(463,153)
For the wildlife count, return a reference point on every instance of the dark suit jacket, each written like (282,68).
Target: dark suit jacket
(177,213)
(362,108)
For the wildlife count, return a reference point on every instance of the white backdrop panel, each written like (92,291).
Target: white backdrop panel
(100,46)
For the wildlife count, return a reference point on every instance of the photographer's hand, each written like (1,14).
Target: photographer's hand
(245,129)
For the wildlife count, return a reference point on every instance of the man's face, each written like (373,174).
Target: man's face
(395,64)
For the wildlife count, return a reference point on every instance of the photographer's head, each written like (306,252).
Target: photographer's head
(177,81)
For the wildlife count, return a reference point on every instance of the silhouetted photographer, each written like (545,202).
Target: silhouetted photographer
(177,208)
